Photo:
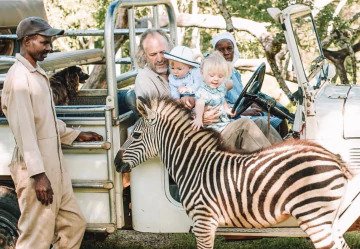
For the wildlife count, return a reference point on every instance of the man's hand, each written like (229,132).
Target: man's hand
(44,192)
(211,115)
(188,101)
(252,111)
(87,136)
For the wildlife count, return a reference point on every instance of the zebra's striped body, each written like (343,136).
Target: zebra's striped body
(221,188)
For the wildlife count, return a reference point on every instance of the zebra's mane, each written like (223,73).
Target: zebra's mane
(161,103)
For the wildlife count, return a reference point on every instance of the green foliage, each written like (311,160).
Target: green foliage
(322,20)
(99,16)
(254,9)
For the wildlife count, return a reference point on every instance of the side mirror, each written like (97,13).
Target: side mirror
(327,72)
(274,13)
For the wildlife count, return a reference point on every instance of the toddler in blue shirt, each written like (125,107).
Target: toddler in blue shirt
(185,77)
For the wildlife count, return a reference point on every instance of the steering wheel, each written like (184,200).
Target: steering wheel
(251,93)
(250,90)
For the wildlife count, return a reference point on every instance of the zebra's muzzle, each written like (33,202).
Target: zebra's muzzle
(123,168)
(120,165)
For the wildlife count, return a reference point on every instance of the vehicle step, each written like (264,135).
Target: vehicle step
(103,145)
(94,184)
(262,232)
(100,227)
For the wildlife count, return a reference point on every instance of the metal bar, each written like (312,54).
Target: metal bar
(125,116)
(92,184)
(2,79)
(111,100)
(81,109)
(100,227)
(263,232)
(156,16)
(169,8)
(142,3)
(89,145)
(92,92)
(126,76)
(126,60)
(90,32)
(6,61)
(131,23)
(4,58)
(110,160)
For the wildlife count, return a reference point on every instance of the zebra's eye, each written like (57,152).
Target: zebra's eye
(136,135)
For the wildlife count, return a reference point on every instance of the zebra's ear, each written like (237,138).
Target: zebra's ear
(144,109)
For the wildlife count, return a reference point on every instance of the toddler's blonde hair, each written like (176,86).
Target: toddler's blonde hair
(215,62)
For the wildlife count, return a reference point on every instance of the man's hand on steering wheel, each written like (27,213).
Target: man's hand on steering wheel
(252,111)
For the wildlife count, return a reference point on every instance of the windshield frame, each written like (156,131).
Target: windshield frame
(286,18)
(321,58)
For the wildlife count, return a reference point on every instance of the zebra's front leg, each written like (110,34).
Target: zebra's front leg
(340,243)
(204,230)
(322,236)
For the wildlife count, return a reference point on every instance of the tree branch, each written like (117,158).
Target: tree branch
(225,14)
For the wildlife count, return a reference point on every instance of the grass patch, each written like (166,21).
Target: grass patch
(123,239)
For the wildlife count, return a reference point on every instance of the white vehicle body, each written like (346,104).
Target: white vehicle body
(325,115)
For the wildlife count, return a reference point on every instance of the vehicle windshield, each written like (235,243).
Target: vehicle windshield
(308,44)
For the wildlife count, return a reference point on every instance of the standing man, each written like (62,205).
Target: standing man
(49,211)
(152,80)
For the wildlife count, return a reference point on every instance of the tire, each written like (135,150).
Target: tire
(9,216)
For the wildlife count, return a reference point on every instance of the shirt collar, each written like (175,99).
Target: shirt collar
(212,90)
(28,65)
(150,71)
(183,77)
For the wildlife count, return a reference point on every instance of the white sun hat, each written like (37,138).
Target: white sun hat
(182,54)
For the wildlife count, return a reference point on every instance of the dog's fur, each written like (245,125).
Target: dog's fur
(65,84)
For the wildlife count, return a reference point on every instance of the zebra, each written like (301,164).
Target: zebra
(219,187)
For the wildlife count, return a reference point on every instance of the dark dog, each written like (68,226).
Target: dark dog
(65,84)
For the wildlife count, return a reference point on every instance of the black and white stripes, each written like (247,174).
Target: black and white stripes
(222,188)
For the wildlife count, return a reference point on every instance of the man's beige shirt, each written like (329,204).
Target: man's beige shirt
(29,108)
(149,83)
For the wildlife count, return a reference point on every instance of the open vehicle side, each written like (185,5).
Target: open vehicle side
(155,208)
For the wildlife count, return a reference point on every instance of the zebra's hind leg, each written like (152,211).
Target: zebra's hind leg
(204,231)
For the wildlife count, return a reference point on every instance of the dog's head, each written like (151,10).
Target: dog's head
(74,70)
(65,83)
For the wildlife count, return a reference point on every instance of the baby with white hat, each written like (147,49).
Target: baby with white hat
(185,77)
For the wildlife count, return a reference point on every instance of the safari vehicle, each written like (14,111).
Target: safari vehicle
(155,206)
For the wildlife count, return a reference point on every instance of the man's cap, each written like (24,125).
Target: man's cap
(36,25)
(182,54)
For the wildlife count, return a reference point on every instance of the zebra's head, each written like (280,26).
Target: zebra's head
(141,144)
